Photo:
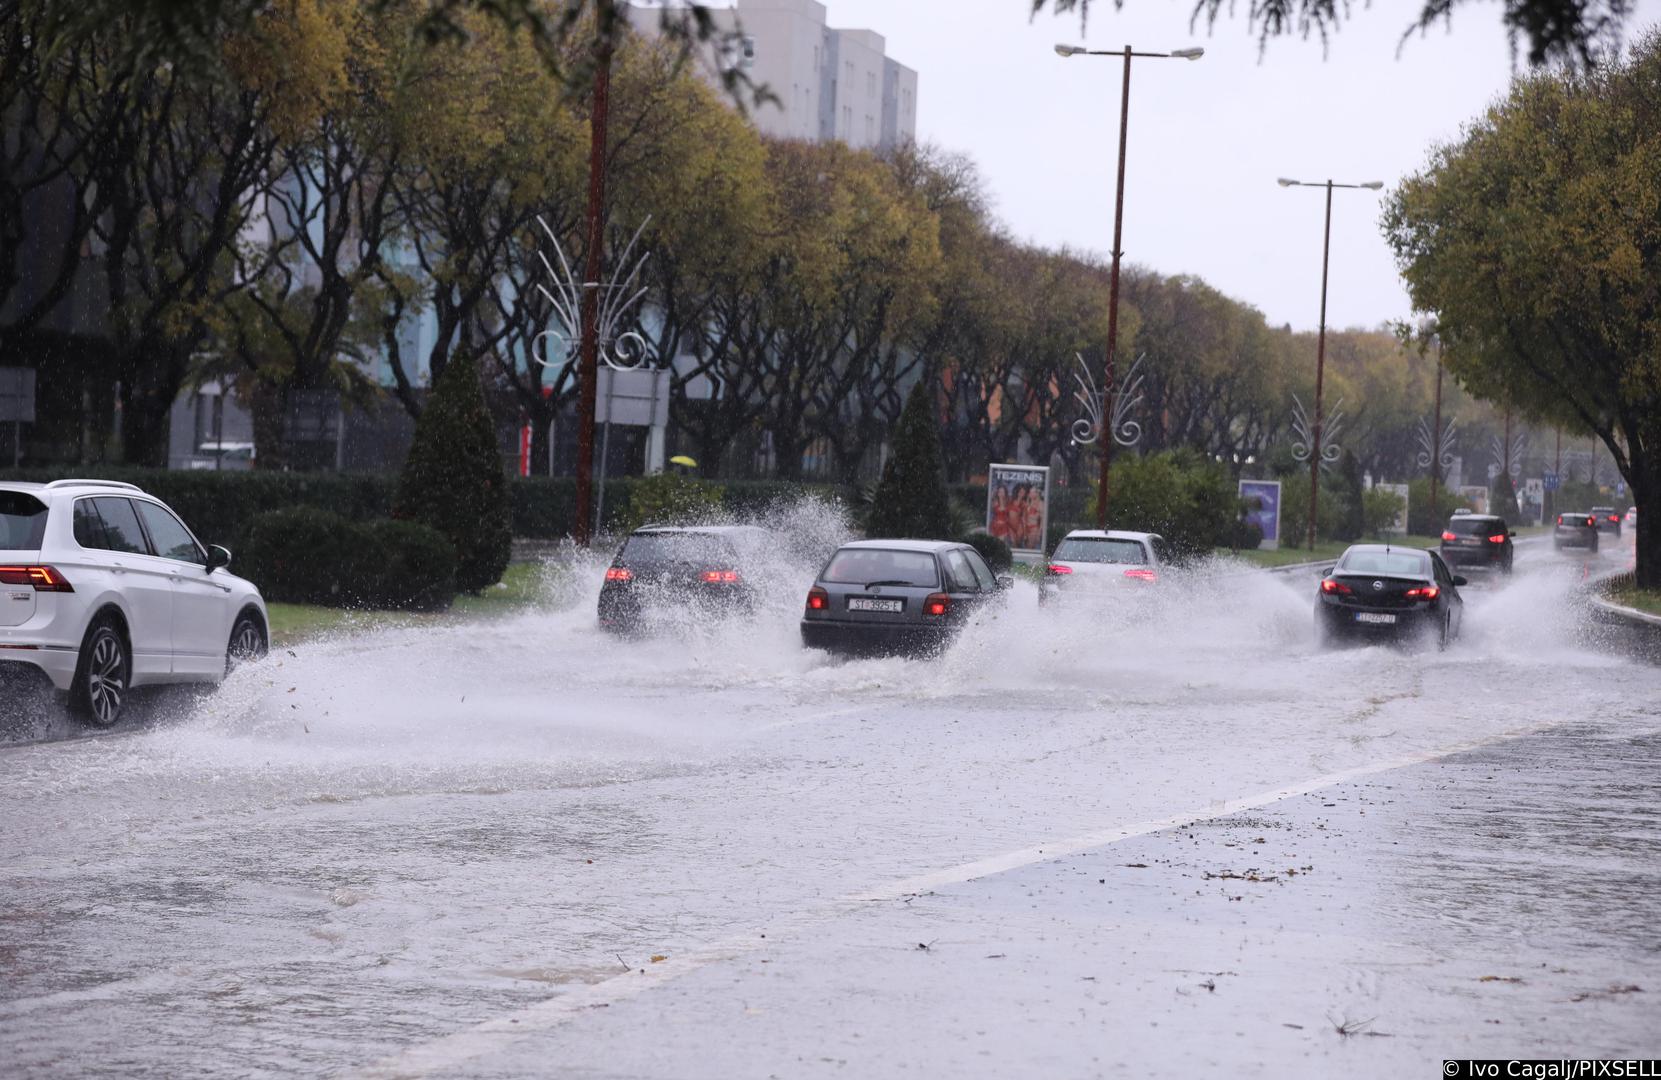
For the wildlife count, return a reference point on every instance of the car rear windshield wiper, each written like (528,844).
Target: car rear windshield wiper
(874,584)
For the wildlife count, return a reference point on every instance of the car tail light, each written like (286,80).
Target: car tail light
(818,599)
(721,577)
(1500,539)
(1141,573)
(619,573)
(1614,517)
(1427,592)
(1056,569)
(1591,523)
(1560,519)
(937,604)
(1449,536)
(43,578)
(1329,586)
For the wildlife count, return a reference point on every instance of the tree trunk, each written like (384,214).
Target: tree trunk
(1644,480)
(269,403)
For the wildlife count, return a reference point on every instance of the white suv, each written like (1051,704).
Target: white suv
(103,588)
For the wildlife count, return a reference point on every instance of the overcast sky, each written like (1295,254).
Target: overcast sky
(1207,138)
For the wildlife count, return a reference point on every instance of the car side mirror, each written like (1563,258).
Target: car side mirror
(1006,581)
(1457,581)
(218,557)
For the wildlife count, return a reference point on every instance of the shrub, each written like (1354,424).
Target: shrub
(671,499)
(453,479)
(992,549)
(309,556)
(911,500)
(1424,519)
(1183,496)
(1502,499)
(1380,509)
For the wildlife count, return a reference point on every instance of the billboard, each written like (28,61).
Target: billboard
(1266,514)
(1474,497)
(1018,506)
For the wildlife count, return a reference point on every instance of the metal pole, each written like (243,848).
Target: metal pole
(1436,438)
(17,443)
(1320,373)
(588,362)
(605,456)
(1113,304)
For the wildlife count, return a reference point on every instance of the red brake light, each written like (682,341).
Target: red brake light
(1560,519)
(817,599)
(1614,517)
(1059,568)
(937,604)
(1330,586)
(1449,536)
(43,578)
(1141,573)
(721,577)
(619,573)
(1500,539)
(1428,592)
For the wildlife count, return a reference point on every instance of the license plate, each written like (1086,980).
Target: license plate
(858,603)
(1374,617)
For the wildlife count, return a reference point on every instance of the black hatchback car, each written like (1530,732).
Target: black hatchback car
(1478,540)
(897,596)
(1378,591)
(1609,521)
(667,568)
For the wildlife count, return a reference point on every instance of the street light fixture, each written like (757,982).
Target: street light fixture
(1127,53)
(1315,447)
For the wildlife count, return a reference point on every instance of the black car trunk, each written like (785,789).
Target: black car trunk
(1378,591)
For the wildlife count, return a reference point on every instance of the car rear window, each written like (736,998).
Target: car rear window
(1099,550)
(865,566)
(1475,526)
(1410,563)
(22,521)
(667,549)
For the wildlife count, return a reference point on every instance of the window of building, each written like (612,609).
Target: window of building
(870,128)
(871,84)
(847,121)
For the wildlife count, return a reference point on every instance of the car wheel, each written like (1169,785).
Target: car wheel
(1324,635)
(1444,635)
(103,675)
(247,643)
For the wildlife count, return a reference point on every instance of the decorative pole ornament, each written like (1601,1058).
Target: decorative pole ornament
(1087,429)
(1304,447)
(626,351)
(1438,451)
(1510,463)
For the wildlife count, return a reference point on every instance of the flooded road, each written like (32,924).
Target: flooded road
(369,846)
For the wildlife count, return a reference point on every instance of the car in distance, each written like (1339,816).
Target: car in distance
(669,568)
(1478,540)
(1380,591)
(1608,520)
(1575,529)
(1088,559)
(897,596)
(103,588)
(1632,517)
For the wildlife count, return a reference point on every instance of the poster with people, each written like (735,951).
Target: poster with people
(1263,502)
(1018,506)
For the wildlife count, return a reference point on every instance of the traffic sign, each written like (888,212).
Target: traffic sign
(1550,479)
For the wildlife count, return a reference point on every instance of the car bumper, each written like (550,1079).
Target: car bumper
(1578,538)
(878,639)
(56,663)
(1343,621)
(1473,556)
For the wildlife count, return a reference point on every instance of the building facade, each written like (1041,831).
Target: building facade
(830,83)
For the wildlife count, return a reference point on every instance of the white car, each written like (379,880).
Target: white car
(1093,558)
(103,588)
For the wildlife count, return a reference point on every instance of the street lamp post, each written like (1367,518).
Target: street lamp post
(1316,457)
(1118,228)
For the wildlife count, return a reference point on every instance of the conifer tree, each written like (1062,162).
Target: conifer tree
(911,501)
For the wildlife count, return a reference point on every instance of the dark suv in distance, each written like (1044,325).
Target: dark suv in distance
(1478,540)
(1608,520)
(666,568)
(1575,529)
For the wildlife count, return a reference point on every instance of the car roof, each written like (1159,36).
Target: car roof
(711,530)
(1109,534)
(106,487)
(901,545)
(1391,548)
(1479,517)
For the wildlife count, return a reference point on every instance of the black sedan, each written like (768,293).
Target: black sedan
(1609,521)
(897,596)
(1378,591)
(1478,540)
(667,570)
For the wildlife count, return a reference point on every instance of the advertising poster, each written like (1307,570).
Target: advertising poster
(1266,514)
(1475,498)
(1018,506)
(1400,524)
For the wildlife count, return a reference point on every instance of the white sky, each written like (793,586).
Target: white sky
(1207,138)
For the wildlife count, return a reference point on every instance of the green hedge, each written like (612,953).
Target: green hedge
(219,506)
(303,555)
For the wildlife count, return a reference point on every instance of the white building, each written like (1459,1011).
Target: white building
(830,83)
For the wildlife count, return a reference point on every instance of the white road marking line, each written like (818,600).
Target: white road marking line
(447,1052)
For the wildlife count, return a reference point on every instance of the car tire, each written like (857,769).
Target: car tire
(1325,636)
(103,675)
(1442,636)
(248,642)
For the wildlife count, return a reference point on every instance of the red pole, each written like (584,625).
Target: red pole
(1113,305)
(1320,373)
(588,365)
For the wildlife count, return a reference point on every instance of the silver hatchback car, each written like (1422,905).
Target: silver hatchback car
(897,596)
